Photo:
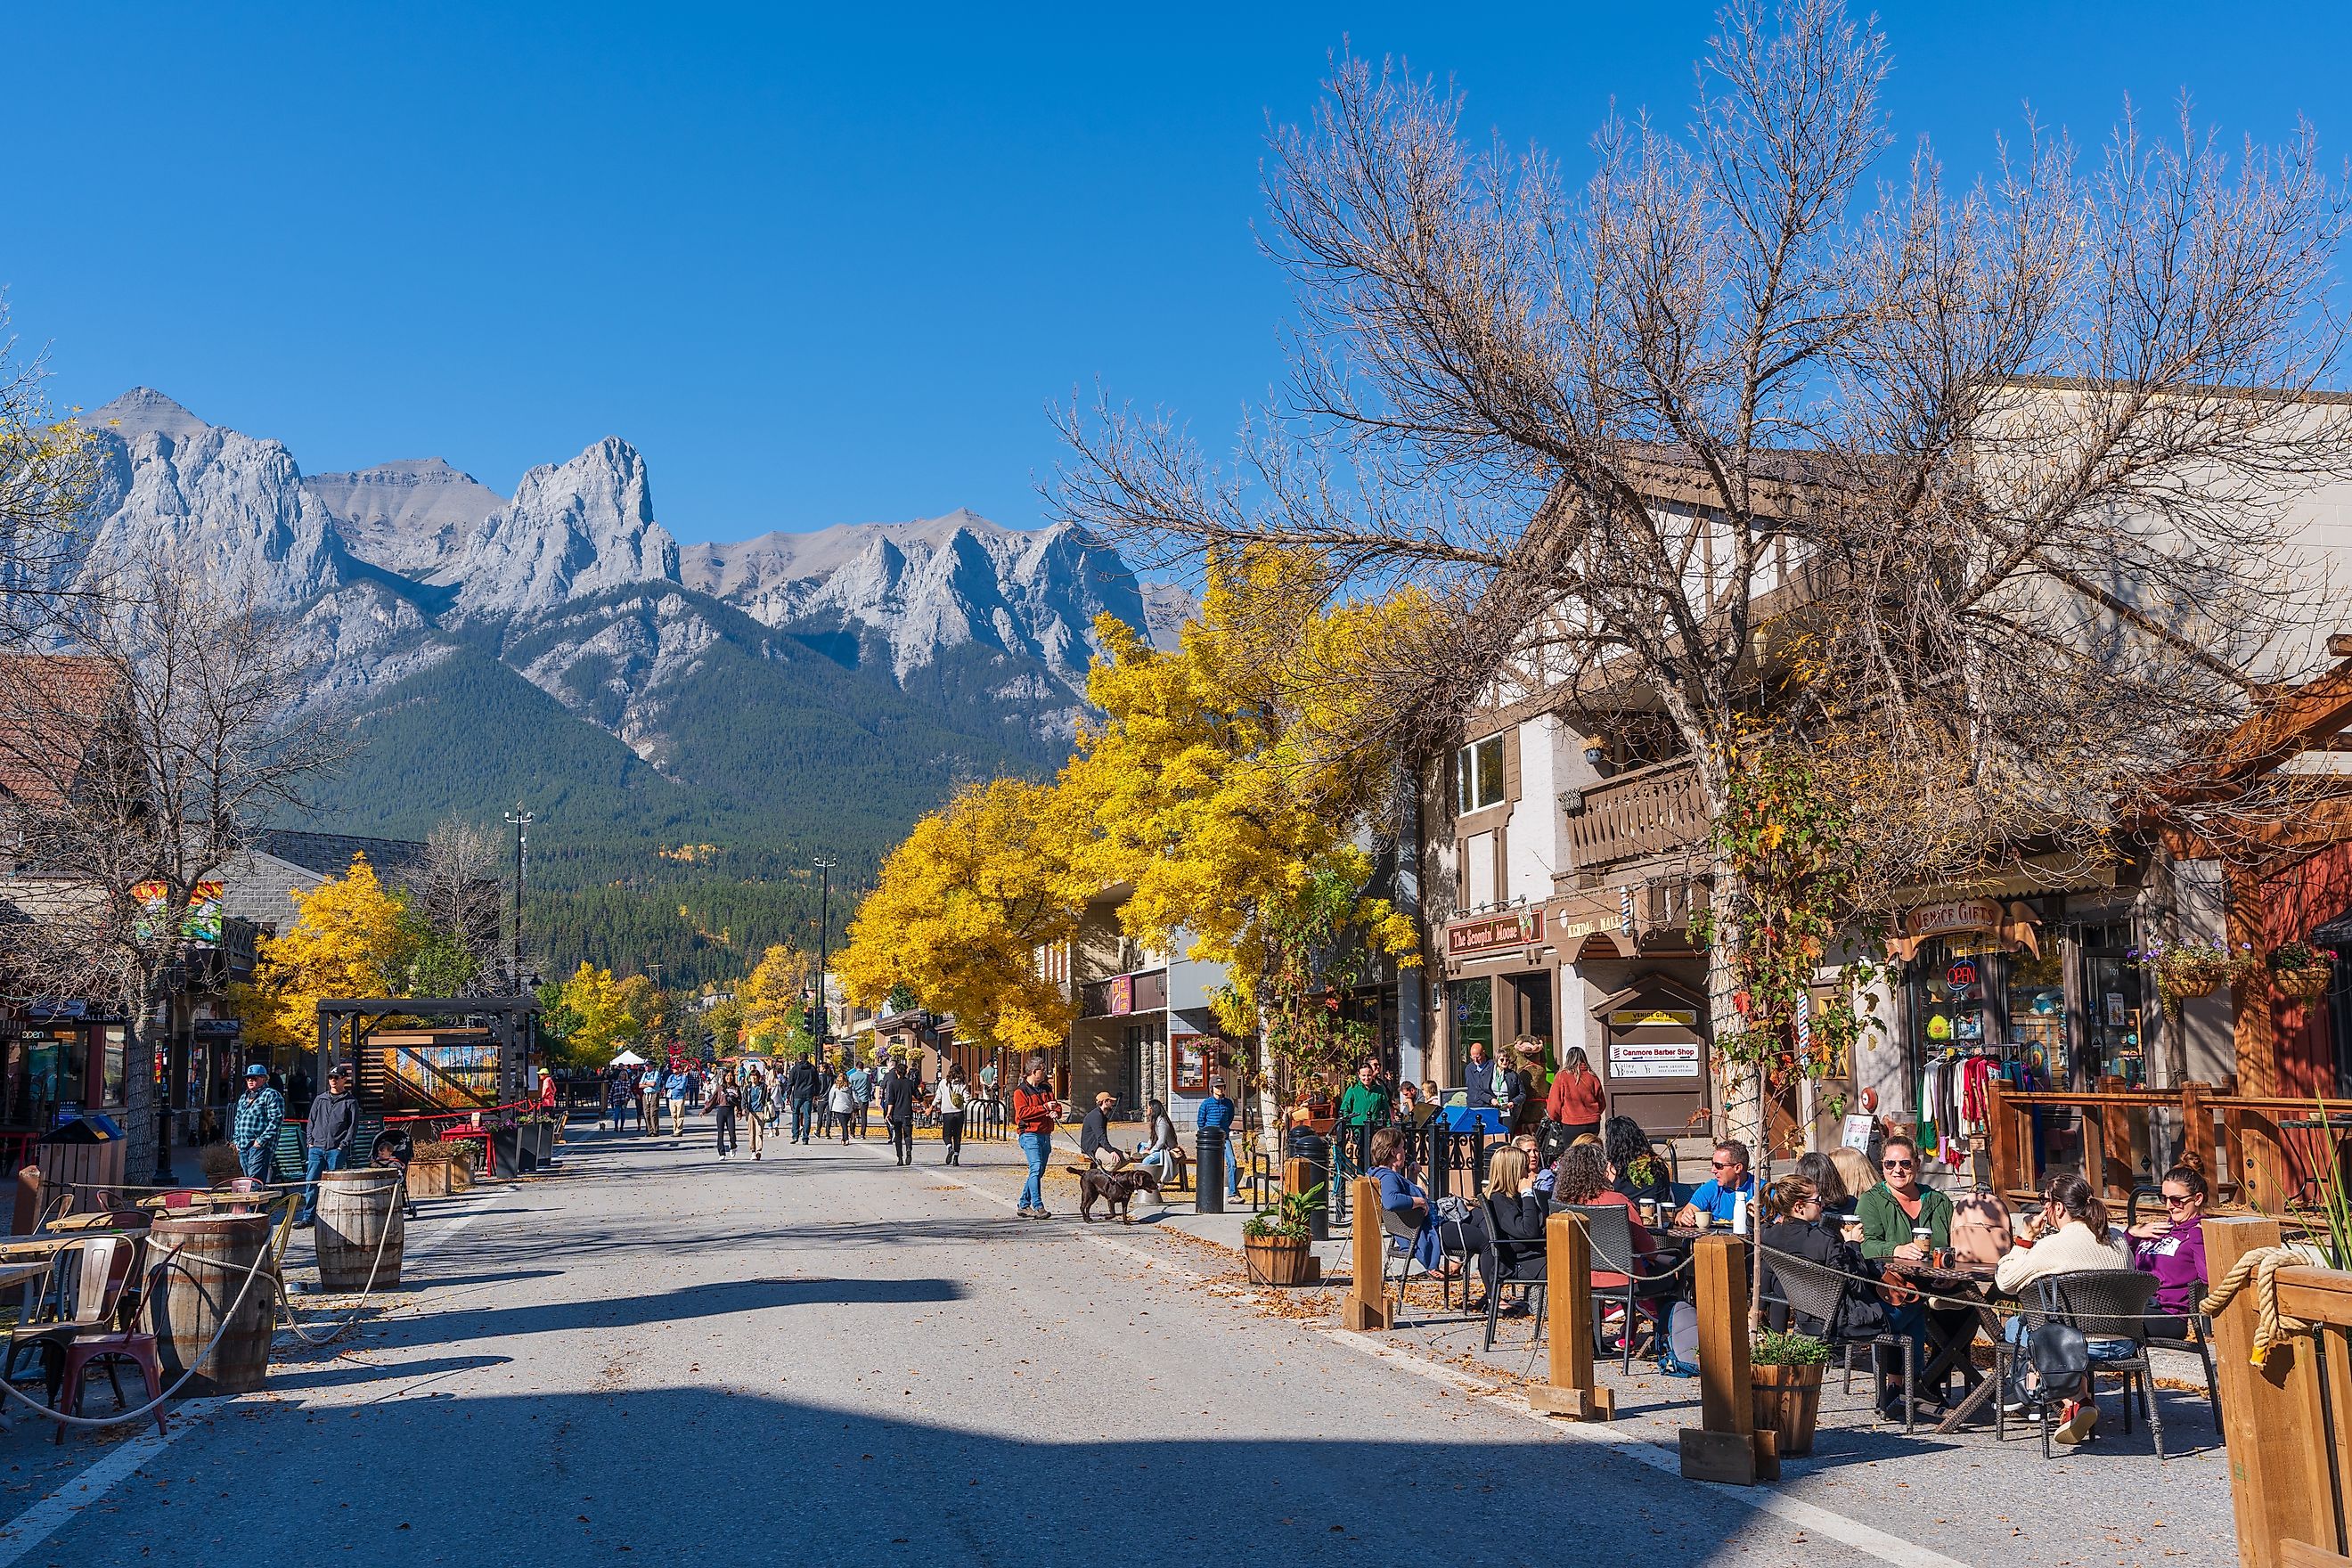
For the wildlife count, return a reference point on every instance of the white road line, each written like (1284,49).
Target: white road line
(1825,1522)
(432,1242)
(61,1507)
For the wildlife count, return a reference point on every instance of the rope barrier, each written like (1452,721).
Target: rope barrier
(282,1304)
(2260,1269)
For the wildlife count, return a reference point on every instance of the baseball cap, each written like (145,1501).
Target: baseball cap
(256,1070)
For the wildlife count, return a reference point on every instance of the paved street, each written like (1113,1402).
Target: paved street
(825,1357)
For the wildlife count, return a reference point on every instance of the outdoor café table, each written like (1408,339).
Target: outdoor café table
(1949,1352)
(213,1199)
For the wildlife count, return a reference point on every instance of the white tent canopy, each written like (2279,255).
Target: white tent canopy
(627,1059)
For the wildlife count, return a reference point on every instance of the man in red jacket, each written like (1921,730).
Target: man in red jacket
(1034,1112)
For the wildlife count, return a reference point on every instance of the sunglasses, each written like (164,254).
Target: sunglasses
(1897,1165)
(2174,1200)
(1725,1165)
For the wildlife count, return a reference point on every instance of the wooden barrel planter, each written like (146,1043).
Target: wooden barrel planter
(1789,1402)
(359,1215)
(216,1253)
(1276,1259)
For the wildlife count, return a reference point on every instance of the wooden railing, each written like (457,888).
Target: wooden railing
(2266,1151)
(1646,812)
(2283,1416)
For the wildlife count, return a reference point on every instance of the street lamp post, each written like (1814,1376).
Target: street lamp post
(520,821)
(823,932)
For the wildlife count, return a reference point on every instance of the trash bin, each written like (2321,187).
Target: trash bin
(1305,1143)
(1209,1171)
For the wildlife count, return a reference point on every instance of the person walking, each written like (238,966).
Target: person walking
(755,1107)
(260,1114)
(649,1098)
(897,1097)
(950,1100)
(843,1106)
(620,1098)
(801,1089)
(327,1136)
(726,1099)
(675,1089)
(861,1094)
(1034,1112)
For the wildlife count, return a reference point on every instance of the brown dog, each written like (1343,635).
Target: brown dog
(1117,1189)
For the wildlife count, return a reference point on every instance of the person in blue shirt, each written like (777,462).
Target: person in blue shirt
(1407,1198)
(1478,1077)
(1216,1115)
(861,1096)
(1719,1193)
(674,1090)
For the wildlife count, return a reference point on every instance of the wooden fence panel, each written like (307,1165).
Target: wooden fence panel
(2280,1486)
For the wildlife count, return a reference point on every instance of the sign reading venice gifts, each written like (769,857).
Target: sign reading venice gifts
(2015,924)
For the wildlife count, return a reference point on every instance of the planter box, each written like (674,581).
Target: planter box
(1787,1402)
(428,1178)
(1279,1260)
(461,1175)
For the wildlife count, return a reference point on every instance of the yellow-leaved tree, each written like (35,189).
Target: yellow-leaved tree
(597,1018)
(1226,786)
(962,908)
(773,1011)
(350,936)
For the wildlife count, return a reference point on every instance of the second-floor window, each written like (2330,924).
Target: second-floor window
(1478,775)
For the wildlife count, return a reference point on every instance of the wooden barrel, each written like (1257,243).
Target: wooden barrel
(216,1252)
(356,1209)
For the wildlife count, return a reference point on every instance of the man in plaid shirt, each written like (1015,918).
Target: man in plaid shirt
(254,1131)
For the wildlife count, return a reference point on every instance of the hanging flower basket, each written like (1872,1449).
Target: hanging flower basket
(2300,970)
(2183,969)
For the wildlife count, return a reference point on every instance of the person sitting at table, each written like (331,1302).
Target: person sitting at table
(2173,1249)
(1583,1178)
(1820,1173)
(2068,1237)
(1627,1149)
(1802,1227)
(1513,1214)
(1855,1173)
(1981,1232)
(1905,1221)
(1403,1196)
(1719,1196)
(1526,1144)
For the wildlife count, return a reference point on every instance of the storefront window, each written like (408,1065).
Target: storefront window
(46,1068)
(2110,1006)
(1473,1005)
(112,1085)
(2036,1005)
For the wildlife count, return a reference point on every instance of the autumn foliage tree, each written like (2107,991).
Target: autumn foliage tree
(350,936)
(774,1012)
(963,907)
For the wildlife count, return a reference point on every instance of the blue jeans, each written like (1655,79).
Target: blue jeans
(800,1109)
(1232,1164)
(1035,1146)
(255,1162)
(313,1162)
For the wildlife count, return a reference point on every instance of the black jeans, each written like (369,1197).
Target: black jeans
(902,1141)
(952,1136)
(726,1129)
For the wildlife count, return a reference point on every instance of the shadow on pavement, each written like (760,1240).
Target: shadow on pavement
(679,1306)
(340,1373)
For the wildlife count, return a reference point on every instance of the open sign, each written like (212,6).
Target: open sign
(1961,976)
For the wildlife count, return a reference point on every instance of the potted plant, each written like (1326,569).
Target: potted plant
(2301,970)
(1275,1245)
(1785,1373)
(2186,969)
(437,1168)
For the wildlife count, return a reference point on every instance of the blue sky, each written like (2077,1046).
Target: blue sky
(830,266)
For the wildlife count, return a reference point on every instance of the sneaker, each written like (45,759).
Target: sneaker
(2081,1415)
(1042,1213)
(2022,1404)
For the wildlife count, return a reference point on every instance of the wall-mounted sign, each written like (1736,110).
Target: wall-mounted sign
(1639,1017)
(1122,995)
(2017,925)
(1961,976)
(1653,1058)
(1490,933)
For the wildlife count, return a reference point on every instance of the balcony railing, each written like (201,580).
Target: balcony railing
(1647,812)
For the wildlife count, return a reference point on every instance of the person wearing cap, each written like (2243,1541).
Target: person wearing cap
(546,1089)
(254,1132)
(1216,1115)
(327,1136)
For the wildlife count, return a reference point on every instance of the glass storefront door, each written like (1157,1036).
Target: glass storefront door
(2111,1007)
(1473,1005)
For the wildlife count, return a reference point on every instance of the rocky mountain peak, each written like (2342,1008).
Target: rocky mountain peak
(409,516)
(572,529)
(142,411)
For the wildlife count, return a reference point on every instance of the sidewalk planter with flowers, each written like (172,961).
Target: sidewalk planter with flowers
(2300,970)
(1785,1375)
(2184,970)
(436,1169)
(1275,1241)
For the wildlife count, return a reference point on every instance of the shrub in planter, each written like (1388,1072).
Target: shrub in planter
(218,1162)
(1274,1240)
(1785,1377)
(438,1167)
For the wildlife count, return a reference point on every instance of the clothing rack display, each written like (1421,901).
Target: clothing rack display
(1954,1096)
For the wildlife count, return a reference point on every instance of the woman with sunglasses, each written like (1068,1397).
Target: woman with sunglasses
(2173,1248)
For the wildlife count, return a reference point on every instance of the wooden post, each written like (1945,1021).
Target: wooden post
(1726,1446)
(2271,1415)
(2197,1129)
(1297,1180)
(1568,1307)
(2002,1131)
(2094,1148)
(1366,1307)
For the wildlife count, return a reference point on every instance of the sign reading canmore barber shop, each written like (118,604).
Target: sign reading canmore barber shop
(1491,933)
